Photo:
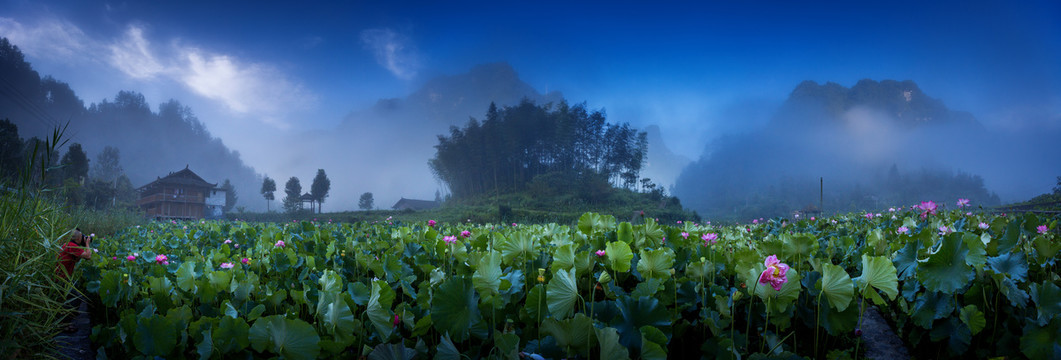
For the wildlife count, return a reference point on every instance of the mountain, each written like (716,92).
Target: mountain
(663,166)
(876,144)
(150,143)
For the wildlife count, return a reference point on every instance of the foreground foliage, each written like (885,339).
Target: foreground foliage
(952,283)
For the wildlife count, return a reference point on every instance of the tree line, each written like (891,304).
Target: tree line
(292,201)
(515,144)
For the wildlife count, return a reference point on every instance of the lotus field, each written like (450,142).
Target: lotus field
(950,284)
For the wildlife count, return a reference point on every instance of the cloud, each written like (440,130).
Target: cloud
(132,55)
(254,89)
(393,51)
(50,38)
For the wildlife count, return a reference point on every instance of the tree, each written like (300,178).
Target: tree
(75,163)
(108,166)
(366,202)
(230,195)
(320,187)
(268,187)
(1057,189)
(10,150)
(293,194)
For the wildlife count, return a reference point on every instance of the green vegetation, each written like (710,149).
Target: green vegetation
(954,285)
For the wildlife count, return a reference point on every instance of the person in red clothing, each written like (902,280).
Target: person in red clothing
(76,249)
(73,251)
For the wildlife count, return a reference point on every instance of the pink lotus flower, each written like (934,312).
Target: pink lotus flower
(228,241)
(130,258)
(514,224)
(755,221)
(397,320)
(943,230)
(431,223)
(869,215)
(466,234)
(165,263)
(963,203)
(600,253)
(226,265)
(160,258)
(236,246)
(927,208)
(709,238)
(449,239)
(969,213)
(246,261)
(1042,229)
(114,258)
(679,221)
(812,218)
(774,273)
(891,209)
(685,235)
(902,230)
(279,243)
(983,226)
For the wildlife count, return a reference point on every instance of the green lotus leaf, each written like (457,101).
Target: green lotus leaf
(155,336)
(651,234)
(973,318)
(588,223)
(931,306)
(335,314)
(656,263)
(608,338)
(1047,299)
(446,350)
(455,307)
(330,282)
(290,338)
(230,335)
(561,294)
(204,347)
(800,246)
(359,292)
(391,352)
(619,256)
(906,260)
(977,251)
(570,333)
(186,277)
(535,305)
(518,245)
(1017,297)
(651,350)
(1041,342)
(219,280)
(1008,240)
(649,287)
(635,313)
(507,344)
(1012,265)
(380,315)
(957,335)
(625,232)
(836,286)
(946,270)
(487,276)
(563,258)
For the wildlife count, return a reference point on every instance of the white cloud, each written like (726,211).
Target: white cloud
(133,56)
(47,39)
(249,89)
(393,51)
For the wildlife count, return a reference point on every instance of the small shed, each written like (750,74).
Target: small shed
(412,204)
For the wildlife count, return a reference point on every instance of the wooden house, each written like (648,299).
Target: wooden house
(411,204)
(181,195)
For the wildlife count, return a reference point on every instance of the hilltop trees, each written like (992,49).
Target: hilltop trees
(515,145)
(366,202)
(75,163)
(107,167)
(268,187)
(230,195)
(293,194)
(319,188)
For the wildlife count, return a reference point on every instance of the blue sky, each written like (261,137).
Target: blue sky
(688,67)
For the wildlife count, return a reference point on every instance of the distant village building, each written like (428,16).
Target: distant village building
(181,195)
(411,204)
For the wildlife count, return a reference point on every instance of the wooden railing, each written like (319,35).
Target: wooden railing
(172,198)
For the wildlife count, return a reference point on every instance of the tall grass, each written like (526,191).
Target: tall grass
(32,229)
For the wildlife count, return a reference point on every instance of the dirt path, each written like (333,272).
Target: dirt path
(76,345)
(881,341)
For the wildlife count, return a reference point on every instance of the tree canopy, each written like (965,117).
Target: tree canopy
(366,202)
(268,188)
(293,194)
(516,144)
(319,188)
(230,195)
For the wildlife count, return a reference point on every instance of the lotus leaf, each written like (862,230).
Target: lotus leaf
(290,338)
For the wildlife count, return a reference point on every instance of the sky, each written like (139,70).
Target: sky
(251,70)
